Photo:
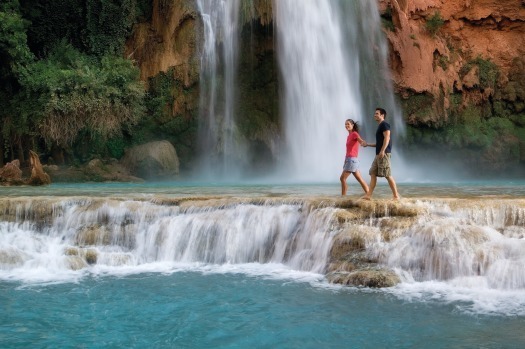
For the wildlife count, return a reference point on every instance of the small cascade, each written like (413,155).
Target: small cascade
(469,243)
(478,244)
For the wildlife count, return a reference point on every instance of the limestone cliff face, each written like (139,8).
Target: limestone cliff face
(459,70)
(170,42)
(430,63)
(169,39)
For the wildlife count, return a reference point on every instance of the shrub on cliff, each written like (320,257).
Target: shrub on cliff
(434,23)
(488,72)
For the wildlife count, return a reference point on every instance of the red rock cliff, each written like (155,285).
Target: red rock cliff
(434,63)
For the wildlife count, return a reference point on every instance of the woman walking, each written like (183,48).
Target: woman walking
(351,161)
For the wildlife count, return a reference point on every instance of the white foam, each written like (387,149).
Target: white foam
(473,300)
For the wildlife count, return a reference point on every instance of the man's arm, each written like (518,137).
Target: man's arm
(386,134)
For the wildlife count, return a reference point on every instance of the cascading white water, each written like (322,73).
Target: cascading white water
(476,246)
(112,233)
(480,247)
(221,146)
(318,90)
(325,52)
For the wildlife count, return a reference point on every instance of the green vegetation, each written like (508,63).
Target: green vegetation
(488,72)
(162,121)
(434,23)
(417,106)
(386,20)
(70,92)
(96,27)
(63,82)
(260,10)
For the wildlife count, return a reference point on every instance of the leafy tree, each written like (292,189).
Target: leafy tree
(14,55)
(70,92)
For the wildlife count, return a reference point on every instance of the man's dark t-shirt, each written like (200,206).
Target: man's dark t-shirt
(380,138)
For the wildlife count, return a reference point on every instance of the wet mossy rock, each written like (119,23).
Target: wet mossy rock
(375,278)
(153,160)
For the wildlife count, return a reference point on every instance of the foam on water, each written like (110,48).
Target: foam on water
(476,299)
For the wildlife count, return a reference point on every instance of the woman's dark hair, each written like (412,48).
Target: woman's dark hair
(356,126)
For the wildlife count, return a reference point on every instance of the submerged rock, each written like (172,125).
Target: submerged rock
(376,278)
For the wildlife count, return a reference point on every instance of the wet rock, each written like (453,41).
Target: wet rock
(376,278)
(11,258)
(91,256)
(96,170)
(76,263)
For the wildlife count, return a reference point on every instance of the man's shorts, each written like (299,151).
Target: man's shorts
(351,164)
(381,167)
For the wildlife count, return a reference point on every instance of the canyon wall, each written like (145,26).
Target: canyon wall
(459,71)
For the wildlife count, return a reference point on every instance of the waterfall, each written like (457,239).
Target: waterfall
(332,56)
(333,61)
(221,147)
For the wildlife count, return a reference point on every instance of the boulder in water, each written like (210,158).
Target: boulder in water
(11,173)
(154,160)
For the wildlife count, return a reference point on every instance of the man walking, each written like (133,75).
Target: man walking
(381,164)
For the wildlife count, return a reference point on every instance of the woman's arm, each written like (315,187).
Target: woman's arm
(361,141)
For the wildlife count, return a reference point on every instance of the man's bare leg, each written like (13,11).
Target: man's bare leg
(392,184)
(357,176)
(373,181)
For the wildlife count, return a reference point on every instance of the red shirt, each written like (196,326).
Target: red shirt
(352,146)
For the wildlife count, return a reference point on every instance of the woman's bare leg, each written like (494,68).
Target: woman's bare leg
(344,186)
(361,181)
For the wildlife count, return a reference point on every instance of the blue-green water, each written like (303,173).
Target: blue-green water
(161,304)
(196,310)
(510,188)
